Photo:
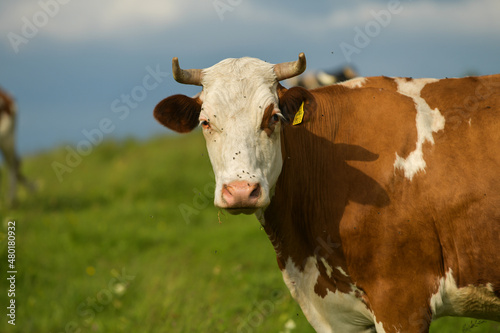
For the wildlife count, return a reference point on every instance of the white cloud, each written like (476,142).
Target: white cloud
(99,19)
(90,19)
(468,16)
(113,17)
(457,17)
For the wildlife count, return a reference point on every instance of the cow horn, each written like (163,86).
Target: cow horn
(185,76)
(290,69)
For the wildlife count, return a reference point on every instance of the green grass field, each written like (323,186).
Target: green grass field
(129,241)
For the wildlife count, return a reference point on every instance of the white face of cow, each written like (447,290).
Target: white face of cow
(246,158)
(239,111)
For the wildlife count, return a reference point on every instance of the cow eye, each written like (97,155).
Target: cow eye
(275,118)
(205,124)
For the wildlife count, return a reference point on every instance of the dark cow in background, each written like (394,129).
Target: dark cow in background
(316,79)
(8,115)
(381,196)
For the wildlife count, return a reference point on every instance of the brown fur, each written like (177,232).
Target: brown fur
(267,125)
(179,113)
(394,237)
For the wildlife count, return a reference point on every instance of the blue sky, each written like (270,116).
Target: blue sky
(73,63)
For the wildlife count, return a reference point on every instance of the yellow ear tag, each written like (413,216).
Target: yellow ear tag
(299,115)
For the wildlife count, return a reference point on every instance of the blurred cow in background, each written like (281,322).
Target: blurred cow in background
(8,146)
(316,79)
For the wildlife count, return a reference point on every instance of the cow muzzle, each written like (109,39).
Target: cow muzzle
(241,197)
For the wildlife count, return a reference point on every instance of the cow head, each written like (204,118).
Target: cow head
(242,109)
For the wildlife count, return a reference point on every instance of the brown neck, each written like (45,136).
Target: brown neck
(309,156)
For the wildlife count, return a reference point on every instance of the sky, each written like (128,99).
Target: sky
(83,71)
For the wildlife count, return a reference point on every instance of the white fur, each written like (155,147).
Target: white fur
(336,312)
(428,121)
(236,92)
(341,271)
(449,300)
(329,269)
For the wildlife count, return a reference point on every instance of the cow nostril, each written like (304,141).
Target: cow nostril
(241,194)
(256,192)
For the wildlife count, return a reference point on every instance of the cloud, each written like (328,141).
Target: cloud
(107,18)
(117,19)
(457,17)
(471,17)
(95,19)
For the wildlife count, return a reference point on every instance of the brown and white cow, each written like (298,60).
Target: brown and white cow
(382,202)
(8,115)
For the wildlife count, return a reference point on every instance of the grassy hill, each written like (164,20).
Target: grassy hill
(127,240)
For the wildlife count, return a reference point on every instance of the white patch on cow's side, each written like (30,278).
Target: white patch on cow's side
(470,301)
(336,312)
(341,271)
(357,82)
(428,121)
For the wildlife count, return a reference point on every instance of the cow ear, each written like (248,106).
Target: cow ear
(180,113)
(290,102)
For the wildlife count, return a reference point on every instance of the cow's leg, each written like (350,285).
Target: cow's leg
(21,178)
(15,177)
(11,175)
(11,198)
(12,180)
(7,146)
(12,165)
